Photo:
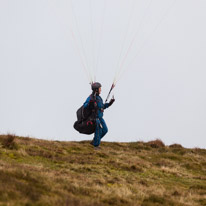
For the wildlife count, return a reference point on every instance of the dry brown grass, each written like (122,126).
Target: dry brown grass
(72,173)
(176,146)
(156,143)
(8,141)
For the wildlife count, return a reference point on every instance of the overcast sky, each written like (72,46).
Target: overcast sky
(161,94)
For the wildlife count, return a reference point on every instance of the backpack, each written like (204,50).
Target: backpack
(86,121)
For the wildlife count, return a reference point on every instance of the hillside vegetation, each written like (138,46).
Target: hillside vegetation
(39,172)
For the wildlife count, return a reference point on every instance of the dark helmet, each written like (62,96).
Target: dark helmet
(96,86)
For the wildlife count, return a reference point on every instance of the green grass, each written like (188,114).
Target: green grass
(39,172)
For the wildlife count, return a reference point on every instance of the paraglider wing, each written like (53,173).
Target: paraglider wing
(85,123)
(85,127)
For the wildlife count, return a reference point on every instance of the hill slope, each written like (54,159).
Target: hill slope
(39,172)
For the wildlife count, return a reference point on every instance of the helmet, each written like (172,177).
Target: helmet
(96,86)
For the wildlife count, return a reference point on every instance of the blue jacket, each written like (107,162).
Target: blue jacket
(100,105)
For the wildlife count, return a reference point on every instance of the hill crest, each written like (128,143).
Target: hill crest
(40,172)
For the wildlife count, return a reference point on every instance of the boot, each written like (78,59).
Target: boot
(97,148)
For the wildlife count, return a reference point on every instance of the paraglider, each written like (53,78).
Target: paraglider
(94,122)
(138,17)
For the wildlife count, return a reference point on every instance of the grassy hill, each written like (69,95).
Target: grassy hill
(39,172)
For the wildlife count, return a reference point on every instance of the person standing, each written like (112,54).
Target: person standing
(95,103)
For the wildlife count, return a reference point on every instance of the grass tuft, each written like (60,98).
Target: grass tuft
(177,146)
(156,143)
(9,142)
(157,200)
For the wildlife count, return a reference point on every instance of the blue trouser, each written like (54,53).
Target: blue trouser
(101,130)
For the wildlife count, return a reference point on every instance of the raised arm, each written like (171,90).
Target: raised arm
(106,105)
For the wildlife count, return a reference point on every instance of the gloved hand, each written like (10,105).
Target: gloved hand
(111,101)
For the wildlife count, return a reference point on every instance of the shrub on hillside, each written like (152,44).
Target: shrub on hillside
(9,142)
(179,146)
(156,143)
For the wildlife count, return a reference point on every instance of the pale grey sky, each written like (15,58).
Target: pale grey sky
(162,93)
